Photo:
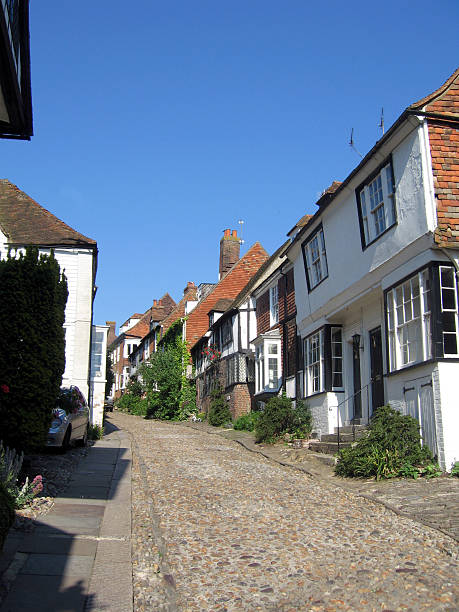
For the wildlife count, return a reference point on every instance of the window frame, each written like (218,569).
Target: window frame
(433,332)
(326,362)
(368,234)
(265,381)
(320,258)
(273,305)
(314,369)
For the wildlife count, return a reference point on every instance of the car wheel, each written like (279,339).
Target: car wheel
(66,441)
(84,440)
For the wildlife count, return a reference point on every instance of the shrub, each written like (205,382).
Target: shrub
(275,419)
(391,448)
(247,422)
(6,513)
(132,404)
(219,412)
(302,420)
(455,470)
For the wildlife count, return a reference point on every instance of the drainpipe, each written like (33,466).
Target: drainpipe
(284,335)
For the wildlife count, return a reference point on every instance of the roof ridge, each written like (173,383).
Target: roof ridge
(435,94)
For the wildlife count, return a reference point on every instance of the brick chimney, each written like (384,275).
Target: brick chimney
(111,332)
(229,251)
(190,285)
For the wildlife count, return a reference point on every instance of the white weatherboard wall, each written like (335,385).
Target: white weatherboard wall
(77,265)
(349,266)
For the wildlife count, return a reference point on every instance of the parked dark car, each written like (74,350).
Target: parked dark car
(108,405)
(70,419)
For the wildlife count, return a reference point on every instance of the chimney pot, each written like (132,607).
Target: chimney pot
(234,233)
(227,232)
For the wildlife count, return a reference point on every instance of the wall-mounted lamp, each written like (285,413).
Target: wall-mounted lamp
(356,342)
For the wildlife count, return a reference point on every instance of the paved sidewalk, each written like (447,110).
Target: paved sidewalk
(78,557)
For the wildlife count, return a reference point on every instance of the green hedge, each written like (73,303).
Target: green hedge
(6,513)
(33,295)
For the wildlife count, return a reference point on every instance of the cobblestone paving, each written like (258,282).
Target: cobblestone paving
(216,527)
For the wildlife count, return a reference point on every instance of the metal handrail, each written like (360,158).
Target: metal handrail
(351,397)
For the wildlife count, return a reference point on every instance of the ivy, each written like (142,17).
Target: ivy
(170,394)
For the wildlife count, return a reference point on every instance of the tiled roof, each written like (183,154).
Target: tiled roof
(444,100)
(442,112)
(178,311)
(222,305)
(264,271)
(25,222)
(227,288)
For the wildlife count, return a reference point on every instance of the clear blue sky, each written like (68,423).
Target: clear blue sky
(160,124)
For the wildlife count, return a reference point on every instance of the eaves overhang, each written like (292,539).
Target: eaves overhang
(407,116)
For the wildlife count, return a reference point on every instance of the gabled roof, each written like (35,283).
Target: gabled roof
(441,103)
(228,287)
(158,312)
(189,295)
(443,100)
(25,222)
(264,271)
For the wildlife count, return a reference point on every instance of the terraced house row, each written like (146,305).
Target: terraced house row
(359,307)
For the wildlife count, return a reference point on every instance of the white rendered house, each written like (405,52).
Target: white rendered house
(376,282)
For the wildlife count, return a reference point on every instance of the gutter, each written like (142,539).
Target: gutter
(403,117)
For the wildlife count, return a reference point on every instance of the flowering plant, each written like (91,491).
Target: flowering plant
(211,352)
(28,491)
(71,399)
(10,466)
(5,388)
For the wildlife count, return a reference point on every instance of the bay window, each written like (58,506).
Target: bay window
(410,323)
(449,310)
(314,363)
(268,370)
(323,361)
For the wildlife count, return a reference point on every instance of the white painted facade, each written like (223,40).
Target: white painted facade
(78,267)
(350,299)
(98,373)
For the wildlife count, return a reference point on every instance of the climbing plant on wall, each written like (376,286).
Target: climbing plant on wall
(170,393)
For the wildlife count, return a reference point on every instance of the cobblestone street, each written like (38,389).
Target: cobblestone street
(216,527)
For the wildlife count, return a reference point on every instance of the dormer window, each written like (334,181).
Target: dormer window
(376,204)
(315,258)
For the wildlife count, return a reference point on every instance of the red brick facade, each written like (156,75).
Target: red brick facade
(286,324)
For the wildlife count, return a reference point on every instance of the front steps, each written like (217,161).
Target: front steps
(329,442)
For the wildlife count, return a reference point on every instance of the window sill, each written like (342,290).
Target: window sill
(365,245)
